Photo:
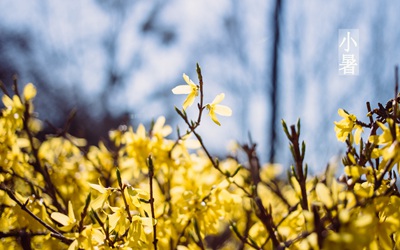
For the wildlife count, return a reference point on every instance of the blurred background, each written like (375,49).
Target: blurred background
(116,62)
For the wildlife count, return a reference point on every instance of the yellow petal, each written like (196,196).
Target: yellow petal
(295,185)
(160,129)
(214,117)
(188,81)
(391,151)
(7,101)
(67,228)
(17,102)
(113,219)
(159,123)
(342,113)
(98,235)
(357,134)
(99,201)
(189,100)
(71,214)
(74,245)
(60,218)
(29,91)
(146,221)
(192,144)
(364,221)
(181,247)
(23,142)
(324,195)
(363,190)
(99,188)
(355,171)
(222,110)
(218,98)
(141,131)
(182,89)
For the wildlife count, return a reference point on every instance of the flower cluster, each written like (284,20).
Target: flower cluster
(192,90)
(142,190)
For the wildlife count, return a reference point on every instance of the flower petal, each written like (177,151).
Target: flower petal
(74,245)
(324,195)
(182,89)
(71,214)
(357,134)
(342,113)
(159,123)
(29,91)
(99,188)
(60,218)
(100,201)
(214,117)
(189,100)
(188,81)
(218,99)
(222,110)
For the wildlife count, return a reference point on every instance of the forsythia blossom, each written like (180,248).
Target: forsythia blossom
(29,92)
(174,197)
(344,127)
(192,90)
(214,108)
(69,221)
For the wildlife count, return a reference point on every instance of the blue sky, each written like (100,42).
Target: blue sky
(231,40)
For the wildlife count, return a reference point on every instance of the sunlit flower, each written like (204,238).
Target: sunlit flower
(390,146)
(214,108)
(29,92)
(101,199)
(118,220)
(160,130)
(191,89)
(344,127)
(69,221)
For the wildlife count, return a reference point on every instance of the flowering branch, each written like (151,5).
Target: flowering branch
(53,231)
(151,176)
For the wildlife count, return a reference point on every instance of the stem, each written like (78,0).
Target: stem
(201,108)
(267,221)
(49,186)
(151,176)
(262,214)
(122,190)
(299,166)
(53,231)
(182,233)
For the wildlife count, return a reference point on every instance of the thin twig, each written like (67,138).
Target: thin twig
(50,188)
(151,176)
(53,231)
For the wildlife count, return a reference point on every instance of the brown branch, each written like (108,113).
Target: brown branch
(50,188)
(151,176)
(53,231)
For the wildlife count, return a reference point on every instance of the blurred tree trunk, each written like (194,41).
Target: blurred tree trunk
(274,82)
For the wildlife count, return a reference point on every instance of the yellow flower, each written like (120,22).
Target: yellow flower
(101,199)
(324,195)
(29,92)
(160,130)
(390,145)
(344,127)
(214,108)
(68,222)
(192,90)
(118,220)
(89,238)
